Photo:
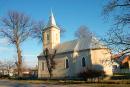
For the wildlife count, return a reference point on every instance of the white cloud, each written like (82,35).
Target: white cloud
(30,59)
(5,49)
(29,55)
(4,41)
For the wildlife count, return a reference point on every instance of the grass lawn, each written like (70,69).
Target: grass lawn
(108,85)
(91,85)
(78,82)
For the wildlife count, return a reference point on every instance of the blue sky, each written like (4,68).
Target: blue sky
(69,13)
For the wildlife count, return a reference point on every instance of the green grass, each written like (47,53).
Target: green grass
(122,74)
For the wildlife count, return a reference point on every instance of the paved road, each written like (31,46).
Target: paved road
(8,83)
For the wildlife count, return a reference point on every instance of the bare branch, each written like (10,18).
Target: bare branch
(118,11)
(49,57)
(17,28)
(117,39)
(37,30)
(83,32)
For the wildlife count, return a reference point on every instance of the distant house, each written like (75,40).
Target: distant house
(3,72)
(6,72)
(26,72)
(121,62)
(74,56)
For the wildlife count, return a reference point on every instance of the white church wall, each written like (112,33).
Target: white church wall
(60,69)
(78,61)
(93,58)
(60,66)
(42,72)
(101,60)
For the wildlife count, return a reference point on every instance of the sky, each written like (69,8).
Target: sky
(70,14)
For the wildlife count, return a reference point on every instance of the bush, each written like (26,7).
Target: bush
(4,76)
(91,74)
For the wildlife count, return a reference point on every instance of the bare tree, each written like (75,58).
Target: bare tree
(118,36)
(117,39)
(16,27)
(62,30)
(6,66)
(1,68)
(119,11)
(9,64)
(49,56)
(38,30)
(83,32)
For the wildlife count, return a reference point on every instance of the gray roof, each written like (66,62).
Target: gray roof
(51,22)
(79,44)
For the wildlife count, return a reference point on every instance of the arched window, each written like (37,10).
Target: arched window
(83,62)
(47,36)
(56,36)
(42,65)
(66,63)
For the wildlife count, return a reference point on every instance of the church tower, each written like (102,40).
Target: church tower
(51,34)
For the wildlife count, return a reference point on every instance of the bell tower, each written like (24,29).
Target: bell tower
(51,34)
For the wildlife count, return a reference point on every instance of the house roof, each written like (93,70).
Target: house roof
(79,44)
(122,58)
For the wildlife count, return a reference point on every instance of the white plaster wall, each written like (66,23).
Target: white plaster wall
(101,60)
(75,65)
(93,60)
(59,71)
(42,73)
(78,61)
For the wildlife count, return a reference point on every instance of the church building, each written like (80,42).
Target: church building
(73,57)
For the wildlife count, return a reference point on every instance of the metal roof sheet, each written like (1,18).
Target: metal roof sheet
(79,44)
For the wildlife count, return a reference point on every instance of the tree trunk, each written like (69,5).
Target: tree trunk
(46,53)
(50,73)
(19,63)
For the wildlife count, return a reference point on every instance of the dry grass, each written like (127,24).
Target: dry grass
(110,85)
(70,83)
(116,82)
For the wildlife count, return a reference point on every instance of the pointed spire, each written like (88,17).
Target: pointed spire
(51,21)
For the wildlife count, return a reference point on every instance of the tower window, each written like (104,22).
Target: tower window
(56,36)
(42,65)
(83,62)
(66,63)
(47,36)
